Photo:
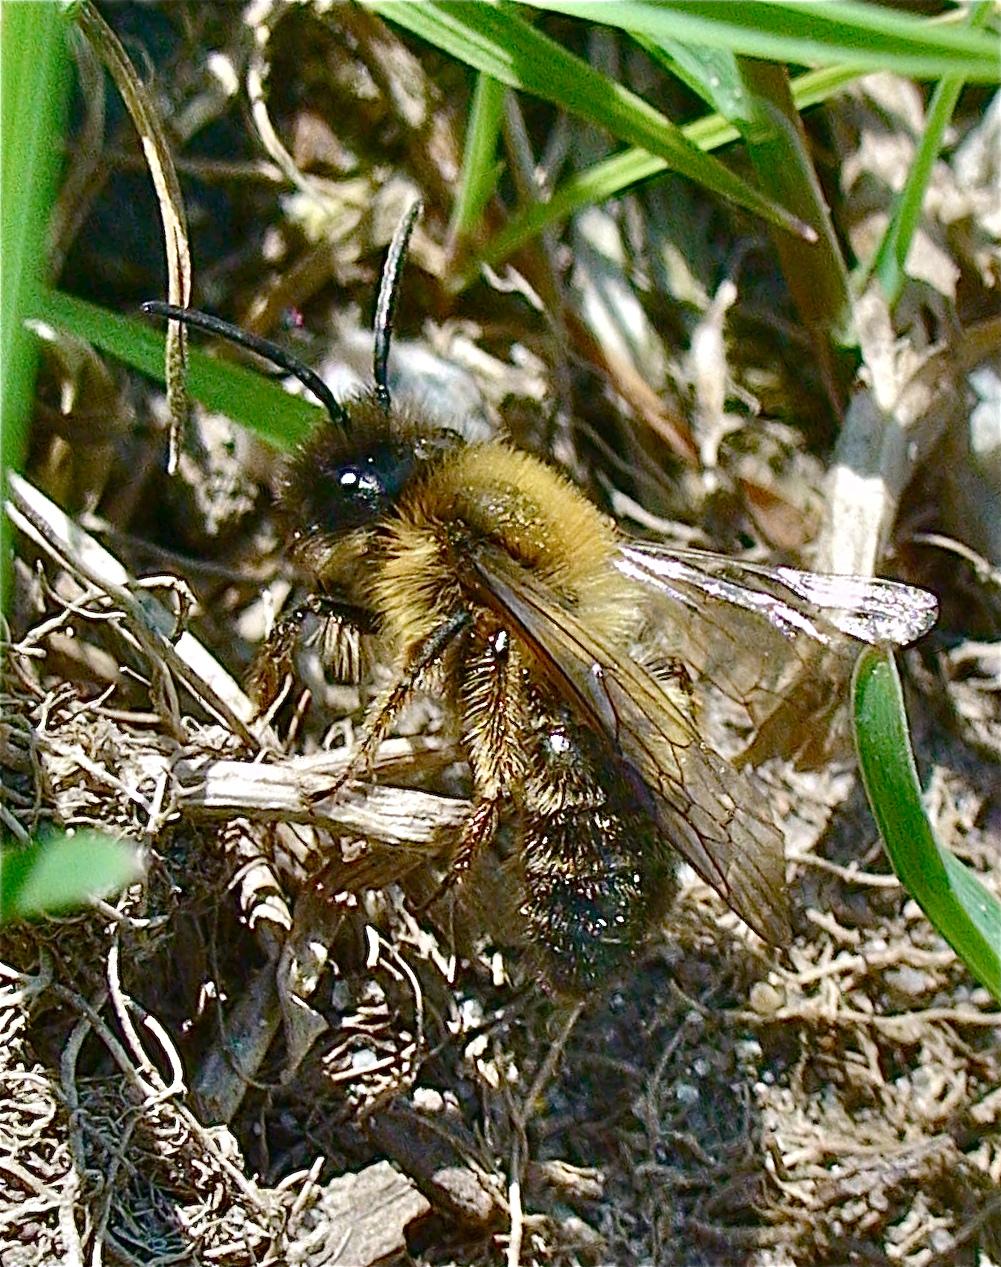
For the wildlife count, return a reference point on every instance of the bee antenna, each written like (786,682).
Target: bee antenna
(389,291)
(263,347)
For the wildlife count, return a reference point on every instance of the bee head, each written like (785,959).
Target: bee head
(352,468)
(338,481)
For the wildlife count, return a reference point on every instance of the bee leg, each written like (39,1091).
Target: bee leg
(421,659)
(477,831)
(346,624)
(492,702)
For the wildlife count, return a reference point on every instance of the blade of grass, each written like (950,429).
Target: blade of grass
(497,41)
(63,873)
(36,78)
(709,72)
(870,36)
(615,175)
(755,97)
(480,165)
(815,272)
(240,393)
(966,914)
(889,263)
(160,165)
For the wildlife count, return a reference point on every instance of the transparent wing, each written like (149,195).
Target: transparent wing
(710,812)
(779,642)
(821,606)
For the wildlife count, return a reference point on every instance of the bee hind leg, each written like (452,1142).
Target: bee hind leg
(492,706)
(477,831)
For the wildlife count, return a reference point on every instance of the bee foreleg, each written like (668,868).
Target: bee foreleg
(345,624)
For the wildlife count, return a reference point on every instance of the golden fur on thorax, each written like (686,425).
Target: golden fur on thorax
(491,493)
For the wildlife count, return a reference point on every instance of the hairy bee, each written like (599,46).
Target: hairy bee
(480,566)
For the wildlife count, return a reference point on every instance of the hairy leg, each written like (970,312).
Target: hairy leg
(345,626)
(491,703)
(421,659)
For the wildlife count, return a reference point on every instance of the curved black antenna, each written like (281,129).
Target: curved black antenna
(385,305)
(263,347)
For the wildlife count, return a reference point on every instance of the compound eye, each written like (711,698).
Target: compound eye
(348,495)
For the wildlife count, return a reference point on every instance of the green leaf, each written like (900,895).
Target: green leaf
(480,165)
(62,873)
(35,81)
(240,393)
(966,914)
(891,257)
(868,36)
(499,43)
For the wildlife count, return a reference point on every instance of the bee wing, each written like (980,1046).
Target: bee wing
(821,606)
(710,812)
(778,641)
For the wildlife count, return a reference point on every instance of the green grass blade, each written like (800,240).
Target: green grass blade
(891,257)
(63,873)
(814,272)
(498,42)
(966,914)
(480,165)
(36,79)
(709,72)
(870,36)
(613,176)
(240,393)
(755,96)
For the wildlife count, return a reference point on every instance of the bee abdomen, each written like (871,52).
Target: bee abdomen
(596,872)
(595,883)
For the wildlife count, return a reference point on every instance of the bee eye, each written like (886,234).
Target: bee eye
(347,495)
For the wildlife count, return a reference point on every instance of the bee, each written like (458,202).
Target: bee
(479,567)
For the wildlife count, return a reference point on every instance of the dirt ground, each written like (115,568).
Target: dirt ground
(253,1057)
